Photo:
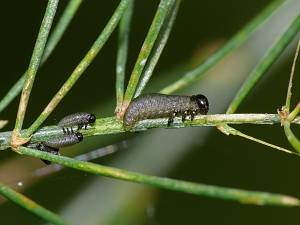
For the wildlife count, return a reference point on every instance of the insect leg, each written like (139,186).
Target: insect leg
(184,115)
(171,118)
(193,114)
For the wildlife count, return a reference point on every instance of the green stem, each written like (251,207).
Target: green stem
(124,30)
(247,197)
(161,14)
(35,61)
(54,38)
(111,125)
(159,47)
(265,63)
(82,66)
(224,128)
(31,206)
(289,91)
(243,35)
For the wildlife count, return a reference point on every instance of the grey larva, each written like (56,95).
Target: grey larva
(152,106)
(80,119)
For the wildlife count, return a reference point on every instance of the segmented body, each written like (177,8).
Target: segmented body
(80,119)
(65,140)
(53,145)
(152,106)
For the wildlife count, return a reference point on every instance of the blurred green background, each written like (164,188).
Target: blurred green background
(201,155)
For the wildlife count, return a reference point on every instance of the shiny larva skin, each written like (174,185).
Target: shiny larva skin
(65,140)
(152,106)
(80,119)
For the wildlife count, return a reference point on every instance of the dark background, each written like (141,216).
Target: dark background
(237,162)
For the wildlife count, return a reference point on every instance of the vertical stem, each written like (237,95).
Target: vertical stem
(237,40)
(123,41)
(159,47)
(54,38)
(35,62)
(289,91)
(265,63)
(85,62)
(161,13)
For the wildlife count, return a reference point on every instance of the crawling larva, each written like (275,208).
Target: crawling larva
(80,119)
(152,106)
(44,148)
(65,140)
(53,145)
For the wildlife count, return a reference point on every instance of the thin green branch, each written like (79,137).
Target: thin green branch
(265,63)
(123,42)
(54,38)
(294,141)
(3,123)
(243,35)
(31,206)
(157,23)
(158,48)
(224,128)
(289,91)
(246,197)
(112,125)
(35,62)
(82,66)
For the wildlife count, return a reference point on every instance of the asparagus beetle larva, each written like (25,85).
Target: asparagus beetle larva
(80,119)
(151,106)
(65,140)
(53,145)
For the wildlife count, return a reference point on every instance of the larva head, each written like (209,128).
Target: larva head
(91,118)
(202,103)
(79,136)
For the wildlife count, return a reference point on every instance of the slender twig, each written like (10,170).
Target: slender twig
(112,125)
(237,40)
(123,42)
(54,38)
(265,63)
(247,197)
(289,91)
(33,67)
(3,123)
(31,206)
(157,23)
(158,48)
(224,128)
(82,66)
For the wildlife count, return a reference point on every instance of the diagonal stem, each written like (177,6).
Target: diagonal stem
(34,64)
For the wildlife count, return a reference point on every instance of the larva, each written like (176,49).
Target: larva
(65,140)
(53,145)
(151,106)
(44,148)
(80,119)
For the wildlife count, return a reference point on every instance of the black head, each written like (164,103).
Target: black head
(202,103)
(79,136)
(92,118)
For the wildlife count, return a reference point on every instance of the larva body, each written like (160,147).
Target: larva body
(53,145)
(80,119)
(44,148)
(151,106)
(65,140)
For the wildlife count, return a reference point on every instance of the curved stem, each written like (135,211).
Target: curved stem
(35,62)
(54,38)
(246,197)
(82,66)
(31,206)
(237,40)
